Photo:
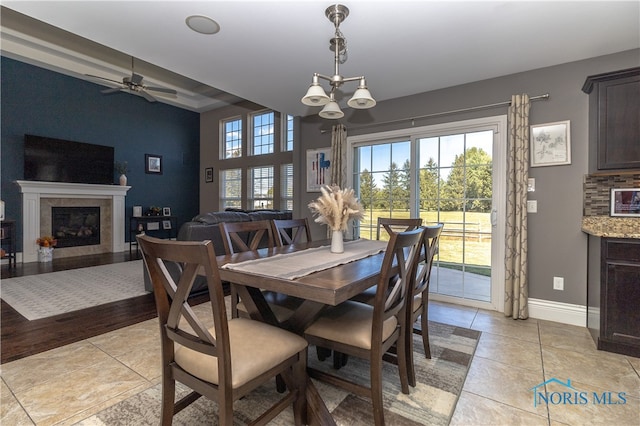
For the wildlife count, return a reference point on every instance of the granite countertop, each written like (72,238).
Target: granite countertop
(611,227)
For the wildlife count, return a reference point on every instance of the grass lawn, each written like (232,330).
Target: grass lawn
(474,242)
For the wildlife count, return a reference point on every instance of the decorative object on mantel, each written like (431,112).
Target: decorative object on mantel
(316,96)
(122,168)
(45,249)
(335,207)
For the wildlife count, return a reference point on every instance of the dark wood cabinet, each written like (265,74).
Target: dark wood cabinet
(155,226)
(614,120)
(614,294)
(8,241)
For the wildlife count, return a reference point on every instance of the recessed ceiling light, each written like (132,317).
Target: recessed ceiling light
(202,24)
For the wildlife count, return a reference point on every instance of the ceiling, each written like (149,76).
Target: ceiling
(267,51)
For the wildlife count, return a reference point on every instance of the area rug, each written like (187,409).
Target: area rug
(431,402)
(54,293)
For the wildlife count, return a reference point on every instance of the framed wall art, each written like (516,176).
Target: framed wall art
(625,202)
(550,144)
(137,211)
(166,211)
(208,174)
(153,164)
(318,168)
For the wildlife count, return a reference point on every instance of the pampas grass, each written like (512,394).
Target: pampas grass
(335,207)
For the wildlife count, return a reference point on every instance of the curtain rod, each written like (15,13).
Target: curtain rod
(437,114)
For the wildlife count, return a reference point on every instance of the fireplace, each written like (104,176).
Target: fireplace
(75,226)
(38,197)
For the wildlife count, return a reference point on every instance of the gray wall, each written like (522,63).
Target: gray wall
(557,246)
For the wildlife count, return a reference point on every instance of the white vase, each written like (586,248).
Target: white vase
(45,254)
(123,180)
(337,244)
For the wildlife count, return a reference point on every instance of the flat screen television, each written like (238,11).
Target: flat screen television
(56,160)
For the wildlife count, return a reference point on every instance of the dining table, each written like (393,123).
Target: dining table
(308,271)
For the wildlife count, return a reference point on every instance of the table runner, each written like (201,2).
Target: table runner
(304,262)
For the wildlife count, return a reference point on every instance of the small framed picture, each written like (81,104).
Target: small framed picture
(153,226)
(166,224)
(208,174)
(550,144)
(625,202)
(166,211)
(137,211)
(318,168)
(153,164)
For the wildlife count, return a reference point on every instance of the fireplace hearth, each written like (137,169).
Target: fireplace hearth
(75,226)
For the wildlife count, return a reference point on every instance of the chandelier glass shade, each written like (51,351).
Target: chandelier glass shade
(316,95)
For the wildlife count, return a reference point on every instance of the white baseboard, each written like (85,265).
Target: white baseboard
(565,313)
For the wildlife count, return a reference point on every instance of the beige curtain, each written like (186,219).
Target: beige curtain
(517,285)
(338,155)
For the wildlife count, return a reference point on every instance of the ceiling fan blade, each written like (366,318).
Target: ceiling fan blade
(161,89)
(103,78)
(136,78)
(147,96)
(114,90)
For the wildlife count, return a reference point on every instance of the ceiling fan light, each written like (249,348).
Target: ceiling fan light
(331,111)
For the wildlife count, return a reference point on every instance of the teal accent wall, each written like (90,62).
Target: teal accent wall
(45,103)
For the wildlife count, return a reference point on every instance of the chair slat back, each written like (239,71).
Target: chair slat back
(393,225)
(245,236)
(391,294)
(173,266)
(429,248)
(291,231)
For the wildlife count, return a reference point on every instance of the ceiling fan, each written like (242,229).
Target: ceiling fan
(134,83)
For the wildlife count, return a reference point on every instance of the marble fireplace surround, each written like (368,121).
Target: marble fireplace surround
(37,196)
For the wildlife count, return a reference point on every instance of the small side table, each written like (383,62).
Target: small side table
(8,241)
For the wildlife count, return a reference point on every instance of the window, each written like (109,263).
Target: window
(286,193)
(232,136)
(263,133)
(255,161)
(231,188)
(261,191)
(288,140)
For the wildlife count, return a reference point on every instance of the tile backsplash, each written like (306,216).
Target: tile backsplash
(597,191)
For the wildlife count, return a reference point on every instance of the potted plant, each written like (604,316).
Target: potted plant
(45,249)
(122,168)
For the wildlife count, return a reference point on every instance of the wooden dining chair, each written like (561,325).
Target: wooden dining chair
(390,225)
(366,331)
(291,231)
(249,236)
(418,297)
(223,362)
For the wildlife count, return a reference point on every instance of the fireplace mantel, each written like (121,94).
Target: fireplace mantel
(33,191)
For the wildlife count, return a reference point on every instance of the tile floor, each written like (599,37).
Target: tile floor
(69,384)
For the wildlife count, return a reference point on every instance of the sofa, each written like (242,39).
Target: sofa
(206,226)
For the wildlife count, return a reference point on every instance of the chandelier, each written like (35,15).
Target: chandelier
(316,96)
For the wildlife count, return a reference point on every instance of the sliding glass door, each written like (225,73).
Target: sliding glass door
(451,174)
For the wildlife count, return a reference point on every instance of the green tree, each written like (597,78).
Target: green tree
(367,189)
(391,196)
(404,185)
(428,183)
(469,182)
